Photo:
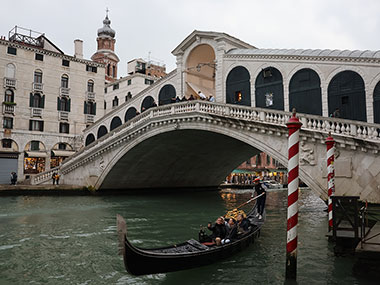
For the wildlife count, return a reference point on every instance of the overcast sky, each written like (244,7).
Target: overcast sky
(159,26)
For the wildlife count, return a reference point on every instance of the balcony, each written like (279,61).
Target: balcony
(90,119)
(63,116)
(90,96)
(8,108)
(36,112)
(63,91)
(9,82)
(38,87)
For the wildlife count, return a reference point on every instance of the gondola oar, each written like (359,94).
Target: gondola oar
(250,200)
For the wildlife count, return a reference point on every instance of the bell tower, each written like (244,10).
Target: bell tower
(106,50)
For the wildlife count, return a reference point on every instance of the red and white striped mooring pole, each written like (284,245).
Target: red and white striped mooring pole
(294,126)
(330,175)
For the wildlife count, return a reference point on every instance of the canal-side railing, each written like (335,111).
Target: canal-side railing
(338,127)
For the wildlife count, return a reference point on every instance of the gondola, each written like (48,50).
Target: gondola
(182,256)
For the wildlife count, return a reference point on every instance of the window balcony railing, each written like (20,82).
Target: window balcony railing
(63,116)
(90,119)
(9,82)
(8,108)
(36,112)
(39,87)
(63,91)
(90,96)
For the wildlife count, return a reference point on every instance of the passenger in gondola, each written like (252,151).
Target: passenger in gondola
(219,230)
(231,231)
(242,224)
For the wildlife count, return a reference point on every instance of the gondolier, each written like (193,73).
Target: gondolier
(260,188)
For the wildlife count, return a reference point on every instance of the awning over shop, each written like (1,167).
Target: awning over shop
(59,152)
(36,154)
(237,171)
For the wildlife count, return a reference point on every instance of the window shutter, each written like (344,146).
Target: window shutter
(30,125)
(31,100)
(69,105)
(58,104)
(94,110)
(42,125)
(85,107)
(42,102)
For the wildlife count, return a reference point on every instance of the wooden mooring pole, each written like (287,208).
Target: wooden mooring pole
(294,126)
(330,176)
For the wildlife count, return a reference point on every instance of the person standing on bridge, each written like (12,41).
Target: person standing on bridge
(260,189)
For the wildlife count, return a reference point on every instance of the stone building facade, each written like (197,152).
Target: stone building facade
(48,98)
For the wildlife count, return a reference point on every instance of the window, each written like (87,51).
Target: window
(7,143)
(129,81)
(90,86)
(65,62)
(105,90)
(108,70)
(34,145)
(8,123)
(91,68)
(115,86)
(36,125)
(64,128)
(9,96)
(12,50)
(114,71)
(38,76)
(267,72)
(65,81)
(105,105)
(89,108)
(39,57)
(115,102)
(10,71)
(36,100)
(148,81)
(63,104)
(62,146)
(268,160)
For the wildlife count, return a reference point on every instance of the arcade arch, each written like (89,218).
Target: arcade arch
(269,91)
(238,86)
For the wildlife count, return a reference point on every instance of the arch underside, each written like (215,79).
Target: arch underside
(178,159)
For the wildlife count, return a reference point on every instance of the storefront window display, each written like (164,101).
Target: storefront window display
(56,161)
(34,165)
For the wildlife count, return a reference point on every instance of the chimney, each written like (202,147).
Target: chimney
(78,48)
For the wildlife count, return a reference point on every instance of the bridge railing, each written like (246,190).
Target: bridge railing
(340,127)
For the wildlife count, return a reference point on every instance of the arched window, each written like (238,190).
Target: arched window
(108,70)
(115,123)
(238,87)
(65,81)
(102,131)
(9,96)
(115,102)
(376,104)
(167,95)
(37,100)
(131,112)
(64,104)
(90,107)
(10,71)
(89,139)
(147,103)
(38,76)
(346,94)
(269,91)
(114,71)
(90,86)
(305,92)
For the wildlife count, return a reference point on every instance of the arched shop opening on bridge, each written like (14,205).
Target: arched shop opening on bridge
(269,91)
(238,87)
(167,95)
(9,152)
(131,113)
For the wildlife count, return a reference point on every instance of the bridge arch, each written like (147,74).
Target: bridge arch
(116,121)
(269,89)
(346,92)
(131,113)
(102,131)
(305,92)
(237,143)
(376,103)
(89,139)
(238,86)
(166,94)
(147,103)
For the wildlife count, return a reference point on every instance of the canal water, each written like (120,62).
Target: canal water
(73,240)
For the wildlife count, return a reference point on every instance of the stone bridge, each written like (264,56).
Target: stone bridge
(198,143)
